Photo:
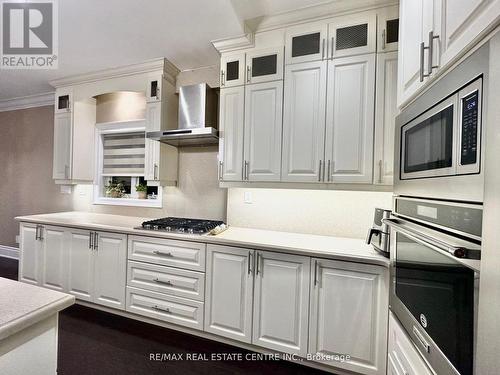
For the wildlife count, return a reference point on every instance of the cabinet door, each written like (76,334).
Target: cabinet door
(63,142)
(306,43)
(232,70)
(231,127)
(29,254)
(154,89)
(228,302)
(354,34)
(385,116)
(80,264)
(348,314)
(83,151)
(53,263)
(152,148)
(281,302)
(110,269)
(464,22)
(63,100)
(304,121)
(350,119)
(263,129)
(388,29)
(264,65)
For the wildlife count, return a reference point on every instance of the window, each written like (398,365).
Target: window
(120,166)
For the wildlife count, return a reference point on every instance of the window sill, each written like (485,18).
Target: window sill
(154,203)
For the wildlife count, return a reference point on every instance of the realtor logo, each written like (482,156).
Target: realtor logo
(28,34)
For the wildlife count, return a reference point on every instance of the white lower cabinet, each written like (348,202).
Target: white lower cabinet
(348,315)
(403,358)
(29,253)
(81,264)
(54,257)
(229,292)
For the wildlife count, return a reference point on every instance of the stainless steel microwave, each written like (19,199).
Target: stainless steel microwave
(439,137)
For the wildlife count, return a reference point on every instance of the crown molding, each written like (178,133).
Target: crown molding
(31,101)
(246,40)
(162,64)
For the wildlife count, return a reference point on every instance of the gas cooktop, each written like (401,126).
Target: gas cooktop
(184,225)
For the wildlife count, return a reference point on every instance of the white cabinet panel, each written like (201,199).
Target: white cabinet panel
(304,121)
(280,302)
(83,150)
(306,43)
(231,128)
(350,119)
(30,254)
(228,308)
(353,34)
(232,70)
(388,29)
(349,307)
(385,116)
(110,269)
(54,256)
(263,129)
(63,141)
(264,65)
(80,264)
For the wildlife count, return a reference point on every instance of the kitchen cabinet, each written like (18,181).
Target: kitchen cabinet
(348,314)
(80,264)
(304,121)
(280,311)
(306,43)
(264,65)
(232,71)
(154,89)
(53,258)
(63,140)
(386,111)
(349,120)
(229,292)
(262,131)
(388,29)
(30,247)
(463,23)
(231,130)
(352,34)
(403,357)
(63,100)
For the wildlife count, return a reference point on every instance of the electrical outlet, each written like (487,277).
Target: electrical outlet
(247,197)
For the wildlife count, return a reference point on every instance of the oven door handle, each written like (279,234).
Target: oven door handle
(437,244)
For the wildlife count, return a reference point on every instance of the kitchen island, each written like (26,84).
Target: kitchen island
(28,328)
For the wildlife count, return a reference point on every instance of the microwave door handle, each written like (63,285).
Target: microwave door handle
(371,232)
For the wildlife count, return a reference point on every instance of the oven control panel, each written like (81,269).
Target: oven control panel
(470,115)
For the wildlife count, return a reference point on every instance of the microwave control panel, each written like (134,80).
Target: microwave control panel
(470,109)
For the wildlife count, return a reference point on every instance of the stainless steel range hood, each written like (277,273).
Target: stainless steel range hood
(197,118)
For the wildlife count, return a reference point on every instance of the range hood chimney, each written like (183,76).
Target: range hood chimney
(197,118)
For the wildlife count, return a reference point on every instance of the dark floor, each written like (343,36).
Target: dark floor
(97,343)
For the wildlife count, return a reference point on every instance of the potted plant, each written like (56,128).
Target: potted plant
(115,190)
(142,191)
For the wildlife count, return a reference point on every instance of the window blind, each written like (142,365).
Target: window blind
(123,154)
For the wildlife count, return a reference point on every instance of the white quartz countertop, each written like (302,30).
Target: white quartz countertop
(22,305)
(306,244)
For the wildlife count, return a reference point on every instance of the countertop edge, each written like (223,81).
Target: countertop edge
(35,316)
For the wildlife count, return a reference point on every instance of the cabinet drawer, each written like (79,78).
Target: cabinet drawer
(170,309)
(168,280)
(182,254)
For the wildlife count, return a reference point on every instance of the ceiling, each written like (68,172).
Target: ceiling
(97,34)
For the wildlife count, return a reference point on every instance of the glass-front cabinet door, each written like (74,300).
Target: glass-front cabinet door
(264,65)
(154,88)
(388,29)
(63,101)
(306,43)
(232,72)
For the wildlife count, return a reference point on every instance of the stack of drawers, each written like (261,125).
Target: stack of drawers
(166,280)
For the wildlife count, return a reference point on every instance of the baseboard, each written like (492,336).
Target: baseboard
(9,252)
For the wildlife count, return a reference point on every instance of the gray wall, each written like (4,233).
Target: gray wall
(26,187)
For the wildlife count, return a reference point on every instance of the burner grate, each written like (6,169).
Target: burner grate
(182,225)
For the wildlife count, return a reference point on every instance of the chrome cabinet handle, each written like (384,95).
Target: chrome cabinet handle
(430,66)
(421,339)
(247,172)
(155,171)
(221,170)
(323,50)
(36,232)
(333,47)
(162,253)
(383,39)
(96,241)
(158,96)
(40,236)
(250,257)
(329,170)
(422,58)
(222,78)
(249,71)
(162,309)
(166,282)
(316,264)
(257,267)
(380,171)
(319,170)
(91,237)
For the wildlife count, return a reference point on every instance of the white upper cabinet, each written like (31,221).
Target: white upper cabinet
(349,119)
(306,43)
(264,65)
(388,29)
(385,116)
(232,71)
(231,130)
(280,302)
(154,89)
(463,22)
(348,314)
(304,121)
(63,100)
(229,296)
(63,142)
(263,129)
(352,35)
